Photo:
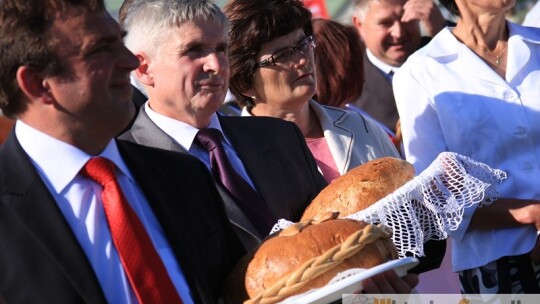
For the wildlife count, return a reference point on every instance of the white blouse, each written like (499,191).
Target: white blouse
(449,99)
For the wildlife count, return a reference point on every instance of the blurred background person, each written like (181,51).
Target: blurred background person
(474,90)
(338,61)
(390,30)
(273,73)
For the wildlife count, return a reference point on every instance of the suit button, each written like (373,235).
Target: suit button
(509,95)
(520,131)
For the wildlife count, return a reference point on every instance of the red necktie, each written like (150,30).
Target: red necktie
(143,266)
(247,199)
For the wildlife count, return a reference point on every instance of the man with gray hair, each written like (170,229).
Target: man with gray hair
(390,30)
(261,165)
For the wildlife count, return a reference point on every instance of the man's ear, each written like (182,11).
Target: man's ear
(34,85)
(143,72)
(356,22)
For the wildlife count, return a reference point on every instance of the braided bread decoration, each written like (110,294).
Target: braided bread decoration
(295,282)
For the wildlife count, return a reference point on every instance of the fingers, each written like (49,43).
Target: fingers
(427,12)
(417,10)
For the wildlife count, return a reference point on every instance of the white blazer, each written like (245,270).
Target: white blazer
(352,138)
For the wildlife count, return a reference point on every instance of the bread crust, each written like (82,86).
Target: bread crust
(361,187)
(280,256)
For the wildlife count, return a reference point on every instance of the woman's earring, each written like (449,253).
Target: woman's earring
(253,97)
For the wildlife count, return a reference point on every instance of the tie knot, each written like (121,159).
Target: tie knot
(100,170)
(209,138)
(390,75)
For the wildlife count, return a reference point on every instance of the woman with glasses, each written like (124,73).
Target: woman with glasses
(273,73)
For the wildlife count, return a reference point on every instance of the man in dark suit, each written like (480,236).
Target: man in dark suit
(390,31)
(66,82)
(185,73)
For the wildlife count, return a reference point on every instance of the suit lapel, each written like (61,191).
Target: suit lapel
(30,201)
(376,82)
(146,132)
(340,140)
(236,216)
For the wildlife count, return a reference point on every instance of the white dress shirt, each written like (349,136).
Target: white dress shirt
(79,199)
(385,68)
(451,100)
(184,134)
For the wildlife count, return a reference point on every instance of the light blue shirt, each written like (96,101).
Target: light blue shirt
(79,200)
(451,100)
(184,134)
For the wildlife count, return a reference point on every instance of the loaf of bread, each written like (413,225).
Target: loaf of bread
(361,187)
(307,256)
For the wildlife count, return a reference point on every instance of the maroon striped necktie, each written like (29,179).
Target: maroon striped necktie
(247,199)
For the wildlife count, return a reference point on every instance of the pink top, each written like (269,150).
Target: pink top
(320,150)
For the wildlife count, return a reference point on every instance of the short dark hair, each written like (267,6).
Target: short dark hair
(339,61)
(451,6)
(252,23)
(26,40)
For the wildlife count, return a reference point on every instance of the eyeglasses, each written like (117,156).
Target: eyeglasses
(287,55)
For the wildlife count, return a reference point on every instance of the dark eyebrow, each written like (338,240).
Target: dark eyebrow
(110,37)
(290,46)
(104,39)
(223,45)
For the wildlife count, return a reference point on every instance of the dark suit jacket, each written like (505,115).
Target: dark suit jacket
(42,262)
(275,156)
(377,97)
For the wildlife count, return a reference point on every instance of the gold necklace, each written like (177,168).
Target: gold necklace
(499,59)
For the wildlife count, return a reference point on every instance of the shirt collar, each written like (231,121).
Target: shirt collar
(446,44)
(183,133)
(60,162)
(386,68)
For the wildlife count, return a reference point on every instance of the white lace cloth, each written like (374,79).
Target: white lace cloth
(432,203)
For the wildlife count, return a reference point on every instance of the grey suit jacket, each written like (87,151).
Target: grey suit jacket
(275,156)
(377,97)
